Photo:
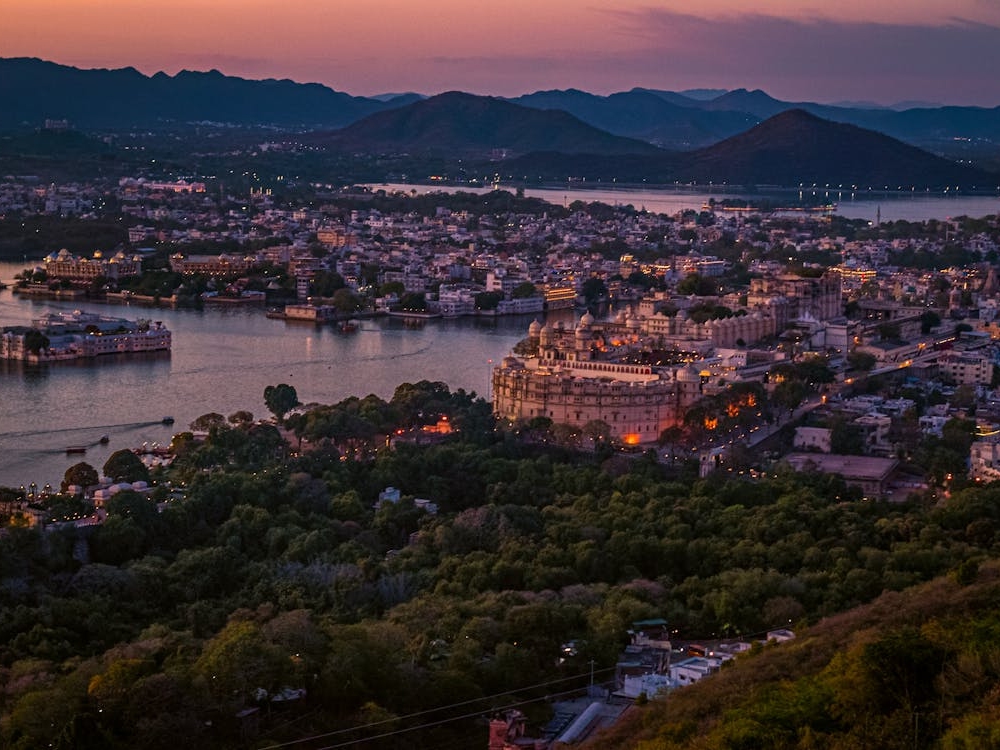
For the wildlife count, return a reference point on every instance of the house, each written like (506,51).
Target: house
(868,473)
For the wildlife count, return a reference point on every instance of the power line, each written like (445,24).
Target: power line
(436,709)
(439,722)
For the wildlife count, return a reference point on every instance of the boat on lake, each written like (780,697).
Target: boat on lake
(76,449)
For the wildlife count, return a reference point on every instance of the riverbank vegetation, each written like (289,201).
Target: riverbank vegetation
(285,591)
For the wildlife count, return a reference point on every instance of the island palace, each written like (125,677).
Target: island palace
(79,335)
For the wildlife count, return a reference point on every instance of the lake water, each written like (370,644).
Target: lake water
(222,360)
(893,205)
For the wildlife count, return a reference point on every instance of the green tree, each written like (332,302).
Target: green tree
(524,290)
(861,361)
(35,341)
(788,394)
(928,320)
(488,300)
(81,474)
(241,418)
(206,422)
(594,290)
(280,399)
(698,285)
(392,287)
(888,331)
(125,466)
(413,301)
(346,301)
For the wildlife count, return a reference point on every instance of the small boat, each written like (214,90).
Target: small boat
(104,440)
(348,326)
(167,420)
(76,449)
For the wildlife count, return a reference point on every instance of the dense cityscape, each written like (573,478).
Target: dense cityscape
(734,343)
(615,405)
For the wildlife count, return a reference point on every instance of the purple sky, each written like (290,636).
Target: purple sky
(932,50)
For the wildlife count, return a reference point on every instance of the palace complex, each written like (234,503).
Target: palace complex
(592,372)
(642,371)
(78,335)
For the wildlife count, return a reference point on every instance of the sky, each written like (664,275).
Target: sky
(885,51)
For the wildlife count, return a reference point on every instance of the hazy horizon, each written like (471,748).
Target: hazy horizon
(852,51)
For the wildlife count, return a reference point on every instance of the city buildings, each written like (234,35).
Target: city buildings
(580,375)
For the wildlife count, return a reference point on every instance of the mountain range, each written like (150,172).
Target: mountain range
(33,90)
(739,137)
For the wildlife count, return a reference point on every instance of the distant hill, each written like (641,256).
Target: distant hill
(455,123)
(789,149)
(797,147)
(33,90)
(670,122)
(697,115)
(929,125)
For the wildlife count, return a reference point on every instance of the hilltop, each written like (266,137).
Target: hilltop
(35,90)
(458,123)
(856,679)
(790,149)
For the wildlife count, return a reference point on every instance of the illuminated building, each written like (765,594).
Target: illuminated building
(65,265)
(584,374)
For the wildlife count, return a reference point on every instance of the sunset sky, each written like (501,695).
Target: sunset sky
(931,50)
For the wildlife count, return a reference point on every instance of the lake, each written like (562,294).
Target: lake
(893,205)
(222,360)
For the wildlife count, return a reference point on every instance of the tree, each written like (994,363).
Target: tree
(888,331)
(597,430)
(35,341)
(206,422)
(928,320)
(241,417)
(81,474)
(594,290)
(414,301)
(345,301)
(280,399)
(788,394)
(861,361)
(125,466)
(392,287)
(326,283)
(488,300)
(523,290)
(697,285)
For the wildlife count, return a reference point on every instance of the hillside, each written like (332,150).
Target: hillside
(713,116)
(796,147)
(789,149)
(913,669)
(458,123)
(34,90)
(673,124)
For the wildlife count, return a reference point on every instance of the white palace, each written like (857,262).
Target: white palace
(80,335)
(577,375)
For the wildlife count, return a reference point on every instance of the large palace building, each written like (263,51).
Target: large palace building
(578,375)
